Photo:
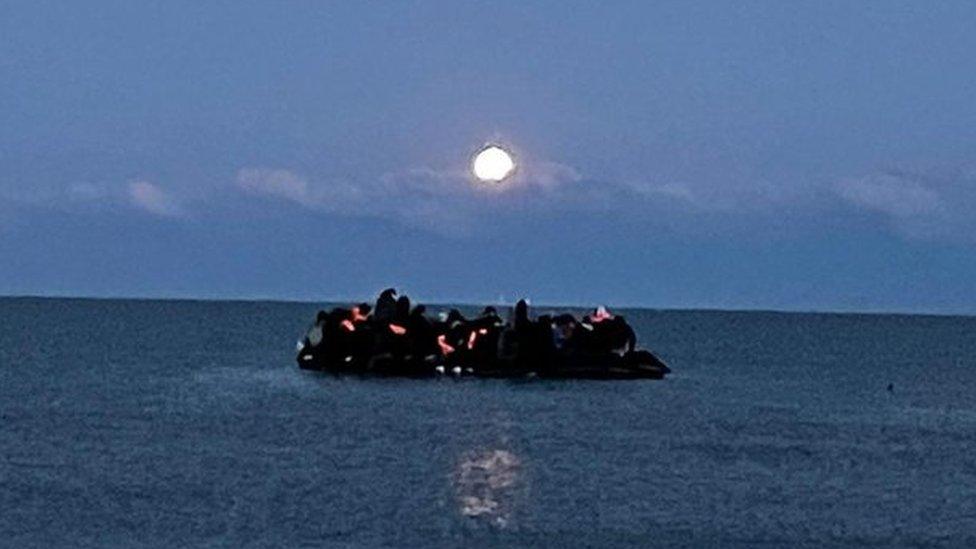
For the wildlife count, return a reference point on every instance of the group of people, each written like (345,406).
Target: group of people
(402,335)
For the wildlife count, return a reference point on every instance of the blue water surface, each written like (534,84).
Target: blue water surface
(132,423)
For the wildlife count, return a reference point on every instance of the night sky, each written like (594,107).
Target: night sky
(773,155)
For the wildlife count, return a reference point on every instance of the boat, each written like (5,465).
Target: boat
(399,342)
(638,364)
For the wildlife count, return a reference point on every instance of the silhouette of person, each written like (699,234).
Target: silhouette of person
(385,306)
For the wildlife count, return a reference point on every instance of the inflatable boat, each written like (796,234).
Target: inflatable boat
(639,364)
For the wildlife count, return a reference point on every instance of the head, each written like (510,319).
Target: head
(565,325)
(565,320)
(403,306)
(360,313)
(338,314)
(600,314)
(419,310)
(453,316)
(388,293)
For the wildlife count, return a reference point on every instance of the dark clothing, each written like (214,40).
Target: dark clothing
(385,306)
(423,341)
(402,310)
(400,338)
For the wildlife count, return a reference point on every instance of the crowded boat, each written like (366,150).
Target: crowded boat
(393,338)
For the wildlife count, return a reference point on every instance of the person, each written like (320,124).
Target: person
(385,306)
(314,335)
(565,333)
(599,332)
(508,348)
(361,336)
(455,328)
(360,313)
(543,337)
(530,342)
(401,311)
(393,338)
(448,333)
(481,339)
(599,315)
(490,313)
(320,321)
(423,342)
(607,333)
(334,335)
(625,338)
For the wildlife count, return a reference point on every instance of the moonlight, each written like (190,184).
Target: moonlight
(492,164)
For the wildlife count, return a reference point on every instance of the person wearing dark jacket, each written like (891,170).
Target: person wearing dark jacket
(420,331)
(385,306)
(401,311)
(625,338)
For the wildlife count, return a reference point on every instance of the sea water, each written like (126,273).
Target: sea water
(127,423)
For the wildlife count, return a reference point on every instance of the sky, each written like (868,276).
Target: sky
(748,155)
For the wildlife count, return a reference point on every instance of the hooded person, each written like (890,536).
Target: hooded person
(623,335)
(490,314)
(482,338)
(401,311)
(396,337)
(335,335)
(454,317)
(520,315)
(529,350)
(315,334)
(449,333)
(385,306)
(481,344)
(423,342)
(517,342)
(456,327)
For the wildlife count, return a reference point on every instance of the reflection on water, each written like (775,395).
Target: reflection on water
(486,482)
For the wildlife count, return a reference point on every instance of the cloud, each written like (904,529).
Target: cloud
(929,204)
(889,194)
(550,175)
(424,196)
(280,183)
(149,197)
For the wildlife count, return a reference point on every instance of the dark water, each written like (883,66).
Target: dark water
(173,424)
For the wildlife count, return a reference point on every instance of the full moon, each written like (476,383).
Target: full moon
(492,164)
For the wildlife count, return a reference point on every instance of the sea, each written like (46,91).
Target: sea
(141,423)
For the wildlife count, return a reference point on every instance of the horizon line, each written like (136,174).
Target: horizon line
(468,303)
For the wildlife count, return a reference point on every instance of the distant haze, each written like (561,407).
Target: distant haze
(750,155)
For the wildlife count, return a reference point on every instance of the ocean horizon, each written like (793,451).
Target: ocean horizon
(470,303)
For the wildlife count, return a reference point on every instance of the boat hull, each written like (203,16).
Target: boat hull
(635,365)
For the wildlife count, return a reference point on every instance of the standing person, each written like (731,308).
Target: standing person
(520,340)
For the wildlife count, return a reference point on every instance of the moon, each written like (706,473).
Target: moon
(492,164)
